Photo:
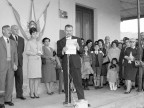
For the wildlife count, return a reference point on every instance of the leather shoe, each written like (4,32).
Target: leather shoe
(2,106)
(9,103)
(22,98)
(66,103)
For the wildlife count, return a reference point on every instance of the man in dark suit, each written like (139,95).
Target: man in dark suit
(8,64)
(74,64)
(19,72)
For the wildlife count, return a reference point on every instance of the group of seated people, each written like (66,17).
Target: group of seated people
(102,62)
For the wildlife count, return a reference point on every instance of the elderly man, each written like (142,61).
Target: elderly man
(8,64)
(19,72)
(107,43)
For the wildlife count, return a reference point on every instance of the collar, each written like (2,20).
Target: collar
(133,47)
(70,37)
(14,36)
(96,52)
(5,38)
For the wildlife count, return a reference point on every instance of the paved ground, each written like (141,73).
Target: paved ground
(102,98)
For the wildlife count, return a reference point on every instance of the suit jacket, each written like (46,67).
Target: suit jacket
(74,59)
(3,54)
(20,49)
(100,60)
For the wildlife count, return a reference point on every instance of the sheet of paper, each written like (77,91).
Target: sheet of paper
(70,44)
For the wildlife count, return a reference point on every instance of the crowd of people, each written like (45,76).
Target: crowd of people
(115,63)
(96,64)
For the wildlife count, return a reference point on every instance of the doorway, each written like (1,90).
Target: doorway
(84,22)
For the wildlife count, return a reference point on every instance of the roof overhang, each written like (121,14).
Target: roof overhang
(129,9)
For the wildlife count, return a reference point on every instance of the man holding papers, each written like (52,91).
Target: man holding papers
(71,45)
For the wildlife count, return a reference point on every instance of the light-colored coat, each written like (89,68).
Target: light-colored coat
(3,54)
(7,70)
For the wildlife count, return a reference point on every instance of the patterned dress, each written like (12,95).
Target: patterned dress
(86,68)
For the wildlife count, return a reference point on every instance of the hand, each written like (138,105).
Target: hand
(142,63)
(132,58)
(128,58)
(39,53)
(77,46)
(101,52)
(137,63)
(15,67)
(64,49)
(52,58)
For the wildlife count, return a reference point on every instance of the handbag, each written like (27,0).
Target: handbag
(106,60)
(43,60)
(137,63)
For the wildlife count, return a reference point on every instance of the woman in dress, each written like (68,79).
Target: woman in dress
(48,69)
(86,68)
(34,51)
(130,70)
(104,65)
(114,51)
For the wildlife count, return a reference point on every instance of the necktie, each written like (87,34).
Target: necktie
(16,38)
(7,40)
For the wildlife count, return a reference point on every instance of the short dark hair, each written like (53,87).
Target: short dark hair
(115,43)
(88,41)
(96,42)
(5,26)
(44,39)
(68,26)
(115,60)
(82,38)
(125,38)
(101,40)
(32,30)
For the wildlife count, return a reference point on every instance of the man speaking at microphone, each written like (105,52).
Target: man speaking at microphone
(74,64)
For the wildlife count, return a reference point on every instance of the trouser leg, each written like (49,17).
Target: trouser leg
(76,75)
(19,81)
(9,84)
(66,87)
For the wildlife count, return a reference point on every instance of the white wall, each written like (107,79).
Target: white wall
(106,17)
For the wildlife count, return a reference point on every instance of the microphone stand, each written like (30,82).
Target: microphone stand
(68,71)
